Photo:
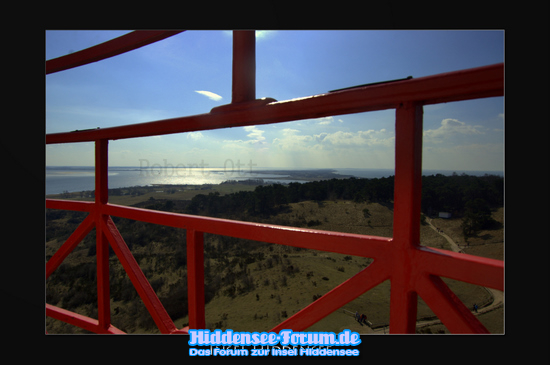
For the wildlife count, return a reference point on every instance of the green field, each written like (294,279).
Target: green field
(249,286)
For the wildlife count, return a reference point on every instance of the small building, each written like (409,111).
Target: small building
(444,215)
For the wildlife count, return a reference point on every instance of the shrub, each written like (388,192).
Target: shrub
(312,223)
(284,280)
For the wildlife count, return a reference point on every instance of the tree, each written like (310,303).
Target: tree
(477,216)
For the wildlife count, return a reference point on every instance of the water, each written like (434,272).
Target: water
(81,178)
(75,178)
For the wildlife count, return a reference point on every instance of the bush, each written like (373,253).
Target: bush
(312,223)
(366,213)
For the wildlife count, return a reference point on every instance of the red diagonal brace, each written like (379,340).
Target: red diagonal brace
(448,307)
(144,289)
(74,239)
(366,279)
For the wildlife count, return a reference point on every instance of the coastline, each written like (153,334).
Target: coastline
(74,179)
(257,177)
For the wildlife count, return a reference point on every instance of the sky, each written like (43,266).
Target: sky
(190,73)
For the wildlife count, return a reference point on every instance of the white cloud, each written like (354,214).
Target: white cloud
(289,131)
(325,121)
(195,135)
(210,95)
(449,128)
(360,138)
(292,140)
(255,134)
(256,143)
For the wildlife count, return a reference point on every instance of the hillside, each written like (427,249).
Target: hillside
(252,285)
(288,279)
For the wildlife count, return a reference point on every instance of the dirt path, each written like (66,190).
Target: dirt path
(454,246)
(498,296)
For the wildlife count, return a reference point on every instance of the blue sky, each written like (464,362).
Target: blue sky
(190,73)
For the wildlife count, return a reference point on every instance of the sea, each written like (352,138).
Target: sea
(60,179)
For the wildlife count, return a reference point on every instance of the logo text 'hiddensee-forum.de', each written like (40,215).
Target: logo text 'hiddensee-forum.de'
(284,337)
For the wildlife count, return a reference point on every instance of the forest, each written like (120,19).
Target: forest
(439,193)
(161,251)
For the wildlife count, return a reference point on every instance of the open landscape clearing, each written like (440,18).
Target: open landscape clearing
(253,286)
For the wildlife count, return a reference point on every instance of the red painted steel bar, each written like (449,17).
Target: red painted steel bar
(103,290)
(244,66)
(140,282)
(79,320)
(458,266)
(406,215)
(114,47)
(195,279)
(487,81)
(102,245)
(74,239)
(344,243)
(366,279)
(77,206)
(448,307)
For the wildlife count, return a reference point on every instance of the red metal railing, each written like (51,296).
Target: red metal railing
(412,269)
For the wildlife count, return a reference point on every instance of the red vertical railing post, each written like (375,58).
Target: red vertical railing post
(406,216)
(244,66)
(195,279)
(102,245)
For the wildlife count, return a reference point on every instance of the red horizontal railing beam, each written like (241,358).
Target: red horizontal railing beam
(344,243)
(472,269)
(79,320)
(487,81)
(78,206)
(113,47)
(459,266)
